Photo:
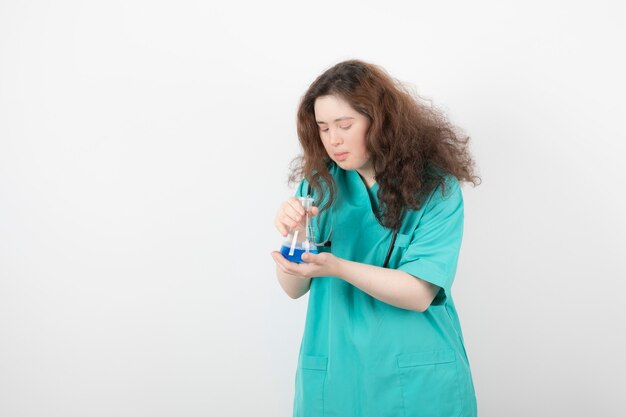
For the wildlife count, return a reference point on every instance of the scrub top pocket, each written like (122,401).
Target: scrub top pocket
(399,247)
(310,377)
(430,383)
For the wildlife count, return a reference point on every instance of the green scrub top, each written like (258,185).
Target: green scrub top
(361,357)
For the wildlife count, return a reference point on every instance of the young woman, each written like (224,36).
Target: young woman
(382,336)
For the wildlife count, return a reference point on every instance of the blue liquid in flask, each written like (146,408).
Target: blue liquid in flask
(297,252)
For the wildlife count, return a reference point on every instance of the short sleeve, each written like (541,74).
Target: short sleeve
(433,251)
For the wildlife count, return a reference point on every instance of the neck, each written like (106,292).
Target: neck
(367,177)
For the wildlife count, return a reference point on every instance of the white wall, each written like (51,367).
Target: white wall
(144,148)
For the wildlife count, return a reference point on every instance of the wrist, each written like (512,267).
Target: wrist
(339,267)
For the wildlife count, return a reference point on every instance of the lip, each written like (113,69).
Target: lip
(341,155)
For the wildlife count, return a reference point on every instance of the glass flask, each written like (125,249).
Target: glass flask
(301,238)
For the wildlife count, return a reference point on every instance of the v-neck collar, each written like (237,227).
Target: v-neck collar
(365,196)
(357,177)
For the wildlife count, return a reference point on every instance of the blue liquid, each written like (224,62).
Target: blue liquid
(297,253)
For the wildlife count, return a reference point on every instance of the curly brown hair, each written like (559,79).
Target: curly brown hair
(412,145)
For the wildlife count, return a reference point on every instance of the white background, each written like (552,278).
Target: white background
(144,150)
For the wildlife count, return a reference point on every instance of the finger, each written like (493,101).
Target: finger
(286,218)
(298,215)
(281,228)
(310,257)
(296,205)
(291,268)
(283,263)
(277,259)
(289,223)
(292,213)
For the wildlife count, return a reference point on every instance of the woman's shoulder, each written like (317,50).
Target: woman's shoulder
(451,184)
(448,190)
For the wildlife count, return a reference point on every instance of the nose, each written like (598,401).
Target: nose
(334,137)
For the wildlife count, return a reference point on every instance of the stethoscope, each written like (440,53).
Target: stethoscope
(327,243)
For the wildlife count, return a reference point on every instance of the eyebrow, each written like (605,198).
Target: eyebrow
(336,120)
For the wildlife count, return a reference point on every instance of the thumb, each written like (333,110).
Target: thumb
(309,257)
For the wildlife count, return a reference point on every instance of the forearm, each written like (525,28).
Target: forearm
(391,286)
(293,285)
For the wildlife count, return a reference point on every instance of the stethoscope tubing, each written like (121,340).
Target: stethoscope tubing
(391,245)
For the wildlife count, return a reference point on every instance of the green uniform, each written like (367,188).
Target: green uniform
(361,357)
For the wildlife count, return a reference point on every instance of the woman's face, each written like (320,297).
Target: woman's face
(342,131)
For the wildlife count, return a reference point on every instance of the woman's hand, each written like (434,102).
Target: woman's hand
(291,215)
(320,265)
